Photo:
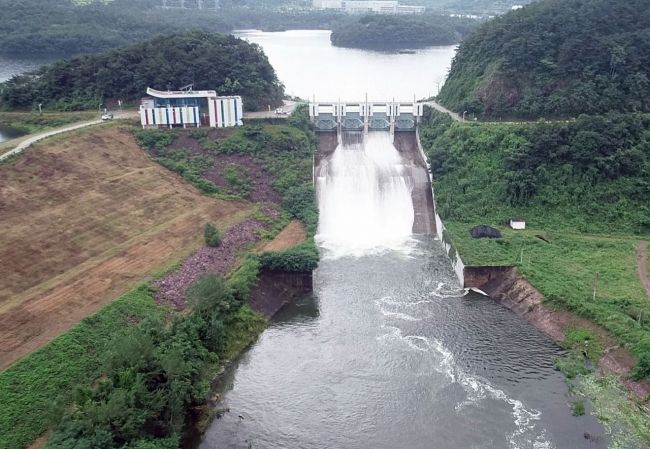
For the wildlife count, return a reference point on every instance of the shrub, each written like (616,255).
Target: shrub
(212,235)
(154,139)
(244,278)
(578,408)
(300,202)
(642,368)
(209,296)
(301,259)
(238,178)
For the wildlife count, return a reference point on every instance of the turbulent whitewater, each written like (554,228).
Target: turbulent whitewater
(364,197)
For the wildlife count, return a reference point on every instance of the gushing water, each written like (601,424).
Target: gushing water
(364,198)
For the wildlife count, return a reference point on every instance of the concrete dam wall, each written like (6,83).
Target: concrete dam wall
(412,168)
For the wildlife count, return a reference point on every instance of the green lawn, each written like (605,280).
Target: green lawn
(32,122)
(563,270)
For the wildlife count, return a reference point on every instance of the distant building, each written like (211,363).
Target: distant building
(190,4)
(189,108)
(368,6)
(518,223)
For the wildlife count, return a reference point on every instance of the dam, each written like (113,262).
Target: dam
(390,351)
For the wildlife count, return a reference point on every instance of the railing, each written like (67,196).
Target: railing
(367,115)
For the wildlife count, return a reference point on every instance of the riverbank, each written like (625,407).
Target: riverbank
(269,193)
(564,273)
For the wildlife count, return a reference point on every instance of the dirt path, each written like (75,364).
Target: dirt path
(293,234)
(85,219)
(31,139)
(441,108)
(642,265)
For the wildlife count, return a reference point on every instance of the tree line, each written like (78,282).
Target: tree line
(64,28)
(208,61)
(587,175)
(390,32)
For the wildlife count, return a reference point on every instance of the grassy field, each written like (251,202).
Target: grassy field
(31,122)
(85,217)
(35,390)
(565,267)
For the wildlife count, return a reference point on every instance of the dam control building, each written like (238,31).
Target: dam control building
(190,109)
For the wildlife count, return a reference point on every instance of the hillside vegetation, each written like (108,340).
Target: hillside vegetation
(555,58)
(583,188)
(64,28)
(386,32)
(208,61)
(83,217)
(591,175)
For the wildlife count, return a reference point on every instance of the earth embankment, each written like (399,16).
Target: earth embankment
(84,218)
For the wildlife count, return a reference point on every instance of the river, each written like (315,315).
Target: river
(10,67)
(389,352)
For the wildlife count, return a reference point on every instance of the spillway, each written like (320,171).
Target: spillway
(391,352)
(364,196)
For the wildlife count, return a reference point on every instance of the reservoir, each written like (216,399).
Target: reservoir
(308,65)
(9,133)
(390,352)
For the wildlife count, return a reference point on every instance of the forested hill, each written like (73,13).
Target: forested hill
(385,32)
(555,58)
(64,28)
(209,61)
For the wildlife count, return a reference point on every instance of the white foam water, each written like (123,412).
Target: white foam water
(526,434)
(364,199)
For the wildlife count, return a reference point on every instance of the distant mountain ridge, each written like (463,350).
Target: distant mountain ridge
(555,58)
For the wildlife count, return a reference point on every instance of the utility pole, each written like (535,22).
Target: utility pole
(596,279)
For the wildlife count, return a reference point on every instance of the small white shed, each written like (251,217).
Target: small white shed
(518,223)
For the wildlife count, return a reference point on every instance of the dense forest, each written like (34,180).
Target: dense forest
(209,61)
(62,28)
(555,58)
(589,175)
(386,32)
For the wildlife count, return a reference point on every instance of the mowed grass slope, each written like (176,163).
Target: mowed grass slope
(83,218)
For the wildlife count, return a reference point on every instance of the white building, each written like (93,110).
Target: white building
(518,223)
(183,109)
(368,6)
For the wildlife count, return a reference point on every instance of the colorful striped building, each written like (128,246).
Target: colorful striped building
(183,109)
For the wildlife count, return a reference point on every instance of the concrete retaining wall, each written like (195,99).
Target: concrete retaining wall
(276,289)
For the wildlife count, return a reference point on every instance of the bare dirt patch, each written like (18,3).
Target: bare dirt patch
(293,234)
(173,287)
(83,219)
